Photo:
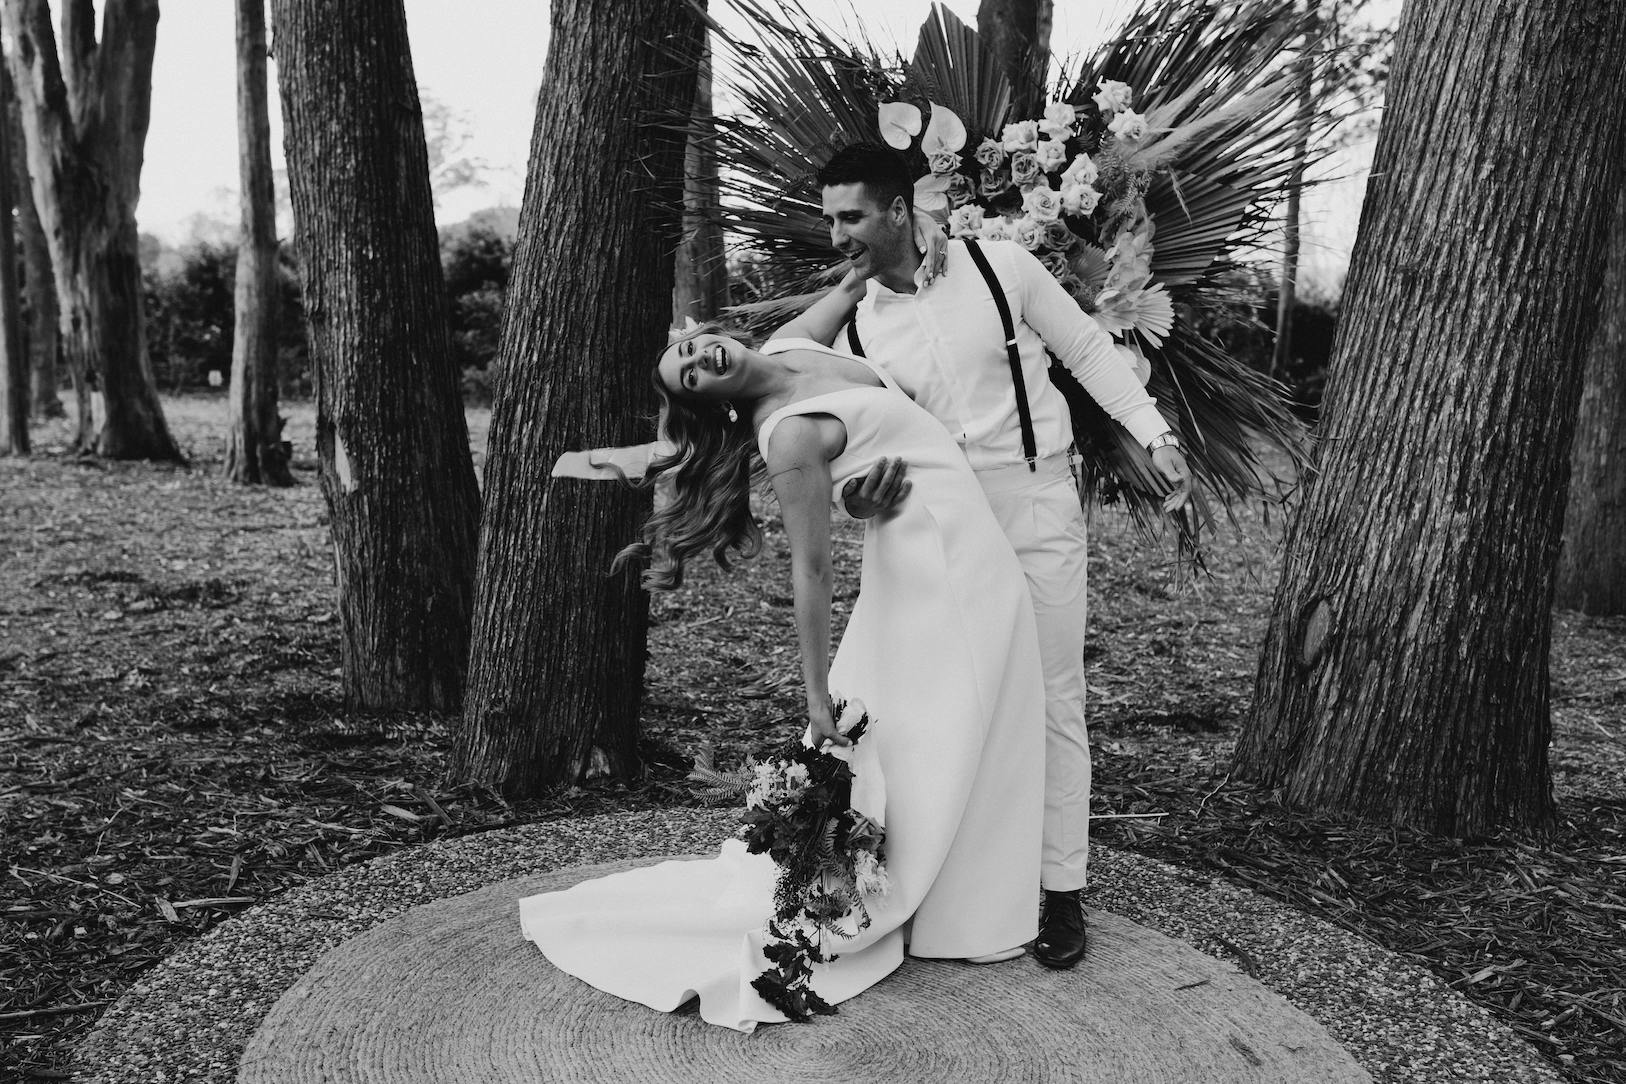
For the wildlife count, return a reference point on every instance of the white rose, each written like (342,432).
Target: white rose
(1082,170)
(965,221)
(1129,126)
(995,229)
(1051,155)
(1028,233)
(1042,205)
(1079,199)
(1114,97)
(1059,118)
(1021,136)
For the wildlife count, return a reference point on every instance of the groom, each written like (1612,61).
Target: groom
(944,343)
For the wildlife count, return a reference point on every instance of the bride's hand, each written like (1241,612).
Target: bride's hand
(822,728)
(933,242)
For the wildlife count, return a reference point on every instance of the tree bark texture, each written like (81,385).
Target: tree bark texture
(556,667)
(390,432)
(255,452)
(1404,674)
(701,291)
(1592,568)
(1017,32)
(40,337)
(85,116)
(14,376)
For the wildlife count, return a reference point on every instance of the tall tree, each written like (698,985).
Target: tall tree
(85,115)
(40,336)
(1592,569)
(701,291)
(1287,284)
(14,375)
(1018,34)
(390,431)
(1404,674)
(556,666)
(254,448)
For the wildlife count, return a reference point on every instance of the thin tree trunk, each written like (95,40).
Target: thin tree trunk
(1017,32)
(255,453)
(14,397)
(702,269)
(85,117)
(556,667)
(390,431)
(1404,674)
(1281,357)
(1592,569)
(43,336)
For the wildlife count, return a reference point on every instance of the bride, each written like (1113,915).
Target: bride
(941,647)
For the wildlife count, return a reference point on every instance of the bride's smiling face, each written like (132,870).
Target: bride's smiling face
(704,366)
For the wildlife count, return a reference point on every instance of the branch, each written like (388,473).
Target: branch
(78,45)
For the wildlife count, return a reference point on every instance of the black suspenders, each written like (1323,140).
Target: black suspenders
(1024,416)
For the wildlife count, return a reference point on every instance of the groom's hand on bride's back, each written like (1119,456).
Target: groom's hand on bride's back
(879,493)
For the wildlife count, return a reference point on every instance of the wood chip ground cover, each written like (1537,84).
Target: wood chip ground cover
(173,747)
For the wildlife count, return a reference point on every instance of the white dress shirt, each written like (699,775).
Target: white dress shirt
(945,345)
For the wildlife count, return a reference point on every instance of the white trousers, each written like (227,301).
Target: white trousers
(1040,513)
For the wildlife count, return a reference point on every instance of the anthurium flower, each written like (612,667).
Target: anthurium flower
(900,123)
(931,193)
(944,132)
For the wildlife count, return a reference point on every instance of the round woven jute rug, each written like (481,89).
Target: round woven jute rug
(451,993)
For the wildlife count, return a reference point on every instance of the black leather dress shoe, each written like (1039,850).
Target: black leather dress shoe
(1061,930)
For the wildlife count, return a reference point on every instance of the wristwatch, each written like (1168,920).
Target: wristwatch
(1164,440)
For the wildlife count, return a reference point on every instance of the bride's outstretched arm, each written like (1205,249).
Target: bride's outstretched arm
(798,460)
(825,318)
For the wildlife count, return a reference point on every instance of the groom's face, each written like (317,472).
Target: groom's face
(872,236)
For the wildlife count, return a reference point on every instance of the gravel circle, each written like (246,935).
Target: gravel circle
(188,1021)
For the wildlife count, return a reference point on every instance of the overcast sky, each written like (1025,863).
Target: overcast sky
(482,59)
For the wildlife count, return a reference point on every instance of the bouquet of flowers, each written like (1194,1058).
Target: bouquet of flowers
(831,858)
(1144,182)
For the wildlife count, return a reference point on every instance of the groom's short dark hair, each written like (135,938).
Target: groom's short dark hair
(882,171)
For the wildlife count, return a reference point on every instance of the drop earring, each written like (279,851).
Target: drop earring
(733,415)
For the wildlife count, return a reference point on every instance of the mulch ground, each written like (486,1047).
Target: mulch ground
(174,747)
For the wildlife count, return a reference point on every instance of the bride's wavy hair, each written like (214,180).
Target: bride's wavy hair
(711,472)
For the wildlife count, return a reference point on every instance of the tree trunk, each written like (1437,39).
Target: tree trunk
(1404,674)
(1281,357)
(1592,568)
(1017,32)
(701,291)
(390,431)
(14,398)
(556,667)
(37,289)
(255,453)
(85,122)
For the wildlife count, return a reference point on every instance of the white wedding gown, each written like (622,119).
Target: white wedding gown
(941,648)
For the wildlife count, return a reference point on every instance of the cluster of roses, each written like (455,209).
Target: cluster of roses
(1048,184)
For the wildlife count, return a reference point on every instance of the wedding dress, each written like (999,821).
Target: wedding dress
(941,648)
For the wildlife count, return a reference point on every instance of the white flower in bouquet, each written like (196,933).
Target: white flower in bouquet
(1028,233)
(870,875)
(1079,199)
(1129,126)
(1132,254)
(1114,97)
(990,154)
(995,229)
(944,162)
(1146,309)
(1051,154)
(796,776)
(1081,170)
(1025,169)
(1042,203)
(1021,136)
(1059,118)
(965,221)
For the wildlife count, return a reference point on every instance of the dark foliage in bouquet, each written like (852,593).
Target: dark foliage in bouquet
(798,811)
(1163,156)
